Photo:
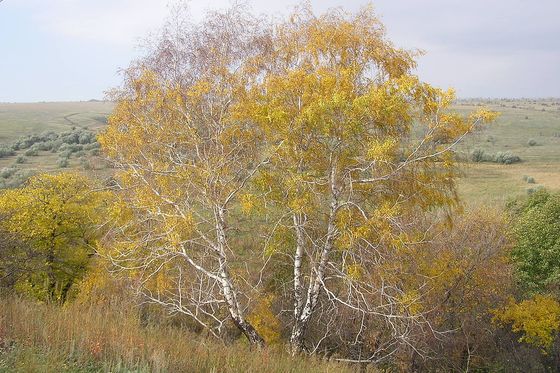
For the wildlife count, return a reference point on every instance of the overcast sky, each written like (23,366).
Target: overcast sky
(65,50)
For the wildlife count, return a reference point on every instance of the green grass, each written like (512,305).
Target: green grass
(17,120)
(520,121)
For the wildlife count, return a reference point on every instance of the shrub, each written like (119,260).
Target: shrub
(31,152)
(8,172)
(506,158)
(70,137)
(43,146)
(86,138)
(93,145)
(536,229)
(537,189)
(49,136)
(63,163)
(65,154)
(530,180)
(72,148)
(6,151)
(538,319)
(20,159)
(532,142)
(478,155)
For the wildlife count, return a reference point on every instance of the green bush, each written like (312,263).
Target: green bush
(93,145)
(479,155)
(43,146)
(31,152)
(65,154)
(86,138)
(8,172)
(506,158)
(530,180)
(531,191)
(532,142)
(13,177)
(20,159)
(6,151)
(72,148)
(63,163)
(537,232)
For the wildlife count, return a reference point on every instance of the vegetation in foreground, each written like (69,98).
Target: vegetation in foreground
(113,338)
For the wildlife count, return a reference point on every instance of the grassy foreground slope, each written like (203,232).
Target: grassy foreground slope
(76,338)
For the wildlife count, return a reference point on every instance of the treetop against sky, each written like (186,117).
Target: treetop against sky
(62,50)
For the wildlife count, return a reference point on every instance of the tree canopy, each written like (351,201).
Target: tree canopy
(54,218)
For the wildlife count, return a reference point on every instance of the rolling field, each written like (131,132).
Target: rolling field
(529,129)
(17,120)
(20,120)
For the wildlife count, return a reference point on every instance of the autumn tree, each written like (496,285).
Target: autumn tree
(53,219)
(183,157)
(535,314)
(537,249)
(359,143)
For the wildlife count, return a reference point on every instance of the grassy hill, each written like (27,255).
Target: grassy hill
(529,129)
(39,137)
(17,120)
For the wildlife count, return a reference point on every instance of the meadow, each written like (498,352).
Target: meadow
(529,129)
(17,120)
(24,120)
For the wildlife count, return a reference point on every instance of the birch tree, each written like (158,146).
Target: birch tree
(183,158)
(360,142)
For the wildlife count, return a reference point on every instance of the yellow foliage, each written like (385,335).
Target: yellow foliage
(382,150)
(538,319)
(265,321)
(354,271)
(56,217)
(409,302)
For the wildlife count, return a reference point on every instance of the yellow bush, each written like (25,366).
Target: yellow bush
(265,321)
(538,319)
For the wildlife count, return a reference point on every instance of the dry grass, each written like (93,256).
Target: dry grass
(75,338)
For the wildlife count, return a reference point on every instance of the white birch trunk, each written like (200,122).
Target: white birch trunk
(303,313)
(228,288)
